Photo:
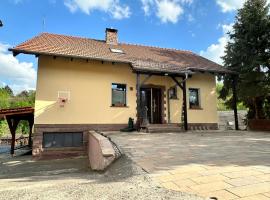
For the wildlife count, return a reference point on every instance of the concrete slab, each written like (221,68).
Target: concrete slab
(227,165)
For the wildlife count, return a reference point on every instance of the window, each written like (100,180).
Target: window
(173,92)
(116,50)
(58,140)
(194,101)
(118,95)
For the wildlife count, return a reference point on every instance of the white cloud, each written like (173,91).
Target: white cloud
(165,10)
(146,4)
(113,7)
(231,5)
(21,75)
(169,11)
(215,51)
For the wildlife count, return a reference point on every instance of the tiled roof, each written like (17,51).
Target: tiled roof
(142,58)
(16,111)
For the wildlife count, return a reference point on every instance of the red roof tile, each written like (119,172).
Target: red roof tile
(141,58)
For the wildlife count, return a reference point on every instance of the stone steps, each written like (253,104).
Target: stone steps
(164,128)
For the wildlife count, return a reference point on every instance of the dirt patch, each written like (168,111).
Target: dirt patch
(22,178)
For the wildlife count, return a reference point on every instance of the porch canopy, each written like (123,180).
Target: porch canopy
(13,117)
(142,59)
(179,77)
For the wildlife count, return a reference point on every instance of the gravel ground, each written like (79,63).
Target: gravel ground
(23,178)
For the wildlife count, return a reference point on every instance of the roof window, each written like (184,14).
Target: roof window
(116,50)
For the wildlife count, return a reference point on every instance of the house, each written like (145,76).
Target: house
(87,84)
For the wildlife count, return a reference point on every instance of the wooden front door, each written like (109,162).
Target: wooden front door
(151,104)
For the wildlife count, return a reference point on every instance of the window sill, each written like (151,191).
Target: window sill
(174,98)
(119,106)
(199,108)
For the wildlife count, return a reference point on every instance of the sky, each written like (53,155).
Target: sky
(197,25)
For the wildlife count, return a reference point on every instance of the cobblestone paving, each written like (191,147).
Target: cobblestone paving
(226,165)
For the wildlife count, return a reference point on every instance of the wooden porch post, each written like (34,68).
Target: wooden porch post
(12,124)
(138,87)
(185,105)
(183,87)
(234,84)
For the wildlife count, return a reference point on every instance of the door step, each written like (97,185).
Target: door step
(164,128)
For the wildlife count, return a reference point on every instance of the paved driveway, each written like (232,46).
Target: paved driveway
(227,165)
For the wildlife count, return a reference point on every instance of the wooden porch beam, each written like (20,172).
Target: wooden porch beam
(177,82)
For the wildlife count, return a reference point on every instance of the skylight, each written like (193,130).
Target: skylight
(116,50)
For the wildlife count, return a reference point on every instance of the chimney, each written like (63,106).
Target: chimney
(111,36)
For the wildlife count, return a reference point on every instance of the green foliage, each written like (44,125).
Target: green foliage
(9,100)
(3,128)
(4,98)
(248,53)
(222,104)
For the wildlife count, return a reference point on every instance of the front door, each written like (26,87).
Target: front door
(151,104)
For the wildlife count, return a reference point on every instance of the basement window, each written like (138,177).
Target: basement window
(116,50)
(194,98)
(63,139)
(119,95)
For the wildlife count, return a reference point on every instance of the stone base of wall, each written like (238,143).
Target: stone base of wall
(41,153)
(202,126)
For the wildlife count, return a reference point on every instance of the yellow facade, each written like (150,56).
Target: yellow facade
(89,88)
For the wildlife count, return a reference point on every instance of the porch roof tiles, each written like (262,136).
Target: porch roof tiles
(141,58)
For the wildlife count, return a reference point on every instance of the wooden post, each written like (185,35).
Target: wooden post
(138,94)
(168,106)
(185,105)
(31,123)
(234,84)
(12,124)
(183,87)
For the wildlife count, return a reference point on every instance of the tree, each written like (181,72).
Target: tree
(4,98)
(9,100)
(9,90)
(248,53)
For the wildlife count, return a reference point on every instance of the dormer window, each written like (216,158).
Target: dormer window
(116,50)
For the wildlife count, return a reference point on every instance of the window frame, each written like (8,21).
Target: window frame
(195,107)
(62,134)
(119,105)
